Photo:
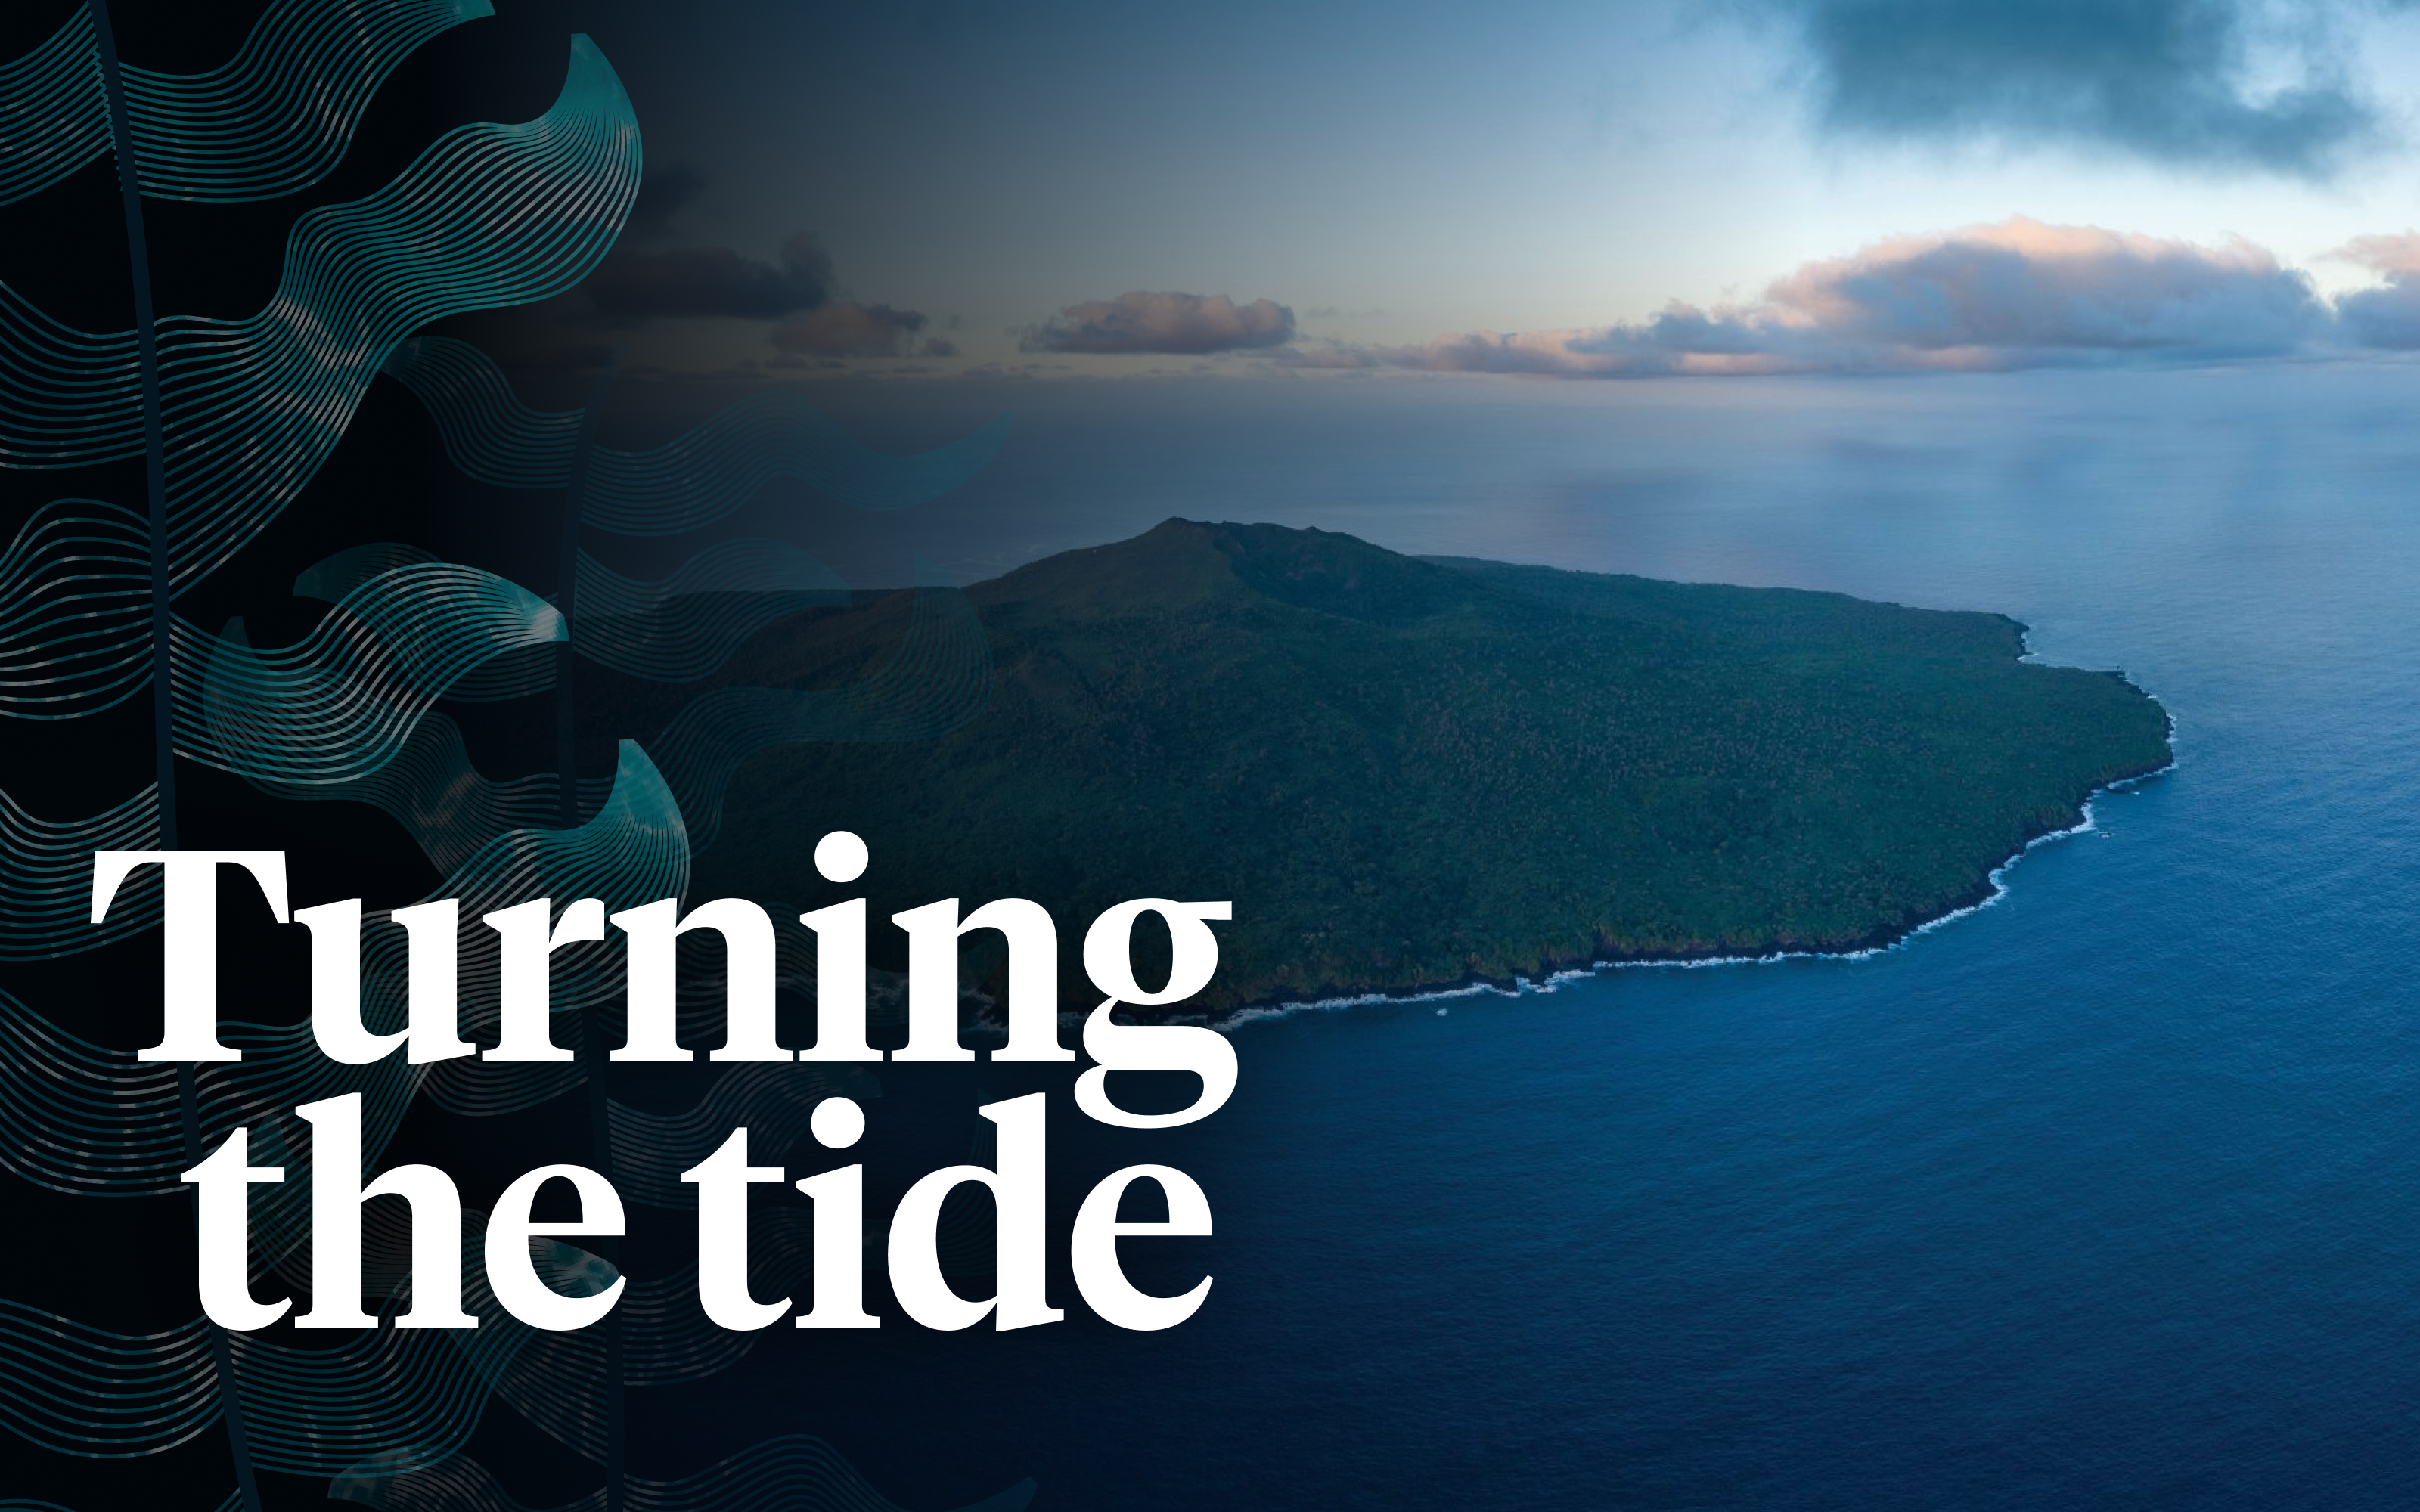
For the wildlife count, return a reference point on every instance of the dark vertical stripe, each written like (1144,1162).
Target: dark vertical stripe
(163,757)
(247,1485)
(155,443)
(591,1041)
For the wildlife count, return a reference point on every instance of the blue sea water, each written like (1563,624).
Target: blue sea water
(2106,1196)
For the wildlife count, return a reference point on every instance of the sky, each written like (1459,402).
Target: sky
(1563,190)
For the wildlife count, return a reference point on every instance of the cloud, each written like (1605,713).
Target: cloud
(2022,289)
(1176,324)
(712,281)
(2019,294)
(2180,83)
(850,331)
(2388,316)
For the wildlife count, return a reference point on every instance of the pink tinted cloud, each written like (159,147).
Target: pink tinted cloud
(2017,294)
(2388,316)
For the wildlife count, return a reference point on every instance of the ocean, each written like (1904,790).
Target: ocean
(2104,1195)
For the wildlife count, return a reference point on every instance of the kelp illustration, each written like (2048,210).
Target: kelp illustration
(231,419)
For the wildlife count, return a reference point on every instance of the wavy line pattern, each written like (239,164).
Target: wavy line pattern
(279,115)
(98,1394)
(509,674)
(332,577)
(486,216)
(68,397)
(53,114)
(405,1399)
(675,629)
(342,702)
(77,1118)
(687,484)
(397,1396)
(75,610)
(938,678)
(272,120)
(634,851)
(431,789)
(488,432)
(83,1391)
(317,1412)
(46,878)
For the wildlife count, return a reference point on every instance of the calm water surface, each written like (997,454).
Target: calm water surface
(2105,1196)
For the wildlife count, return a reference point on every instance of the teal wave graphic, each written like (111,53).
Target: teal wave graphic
(938,677)
(277,117)
(675,629)
(75,610)
(53,112)
(341,703)
(77,1118)
(486,216)
(431,788)
(272,120)
(46,878)
(403,1398)
(78,1389)
(488,432)
(332,578)
(68,397)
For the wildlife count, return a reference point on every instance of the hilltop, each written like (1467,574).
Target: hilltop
(1409,772)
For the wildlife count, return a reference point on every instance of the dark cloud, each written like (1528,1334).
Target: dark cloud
(712,281)
(848,330)
(1174,324)
(2020,294)
(2171,81)
(664,191)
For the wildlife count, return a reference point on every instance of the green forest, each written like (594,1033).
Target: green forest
(1412,772)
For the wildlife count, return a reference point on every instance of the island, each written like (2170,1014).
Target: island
(1411,773)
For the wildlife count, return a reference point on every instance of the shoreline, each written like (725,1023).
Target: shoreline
(1553,975)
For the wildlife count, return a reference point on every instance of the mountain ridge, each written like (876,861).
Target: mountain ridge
(1410,773)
